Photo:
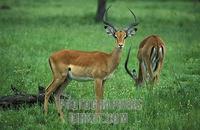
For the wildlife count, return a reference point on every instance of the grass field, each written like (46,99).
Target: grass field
(32,30)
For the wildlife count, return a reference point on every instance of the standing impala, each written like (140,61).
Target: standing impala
(150,56)
(69,65)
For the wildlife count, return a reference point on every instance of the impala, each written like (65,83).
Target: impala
(150,56)
(69,65)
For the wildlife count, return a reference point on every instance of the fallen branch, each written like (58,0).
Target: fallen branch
(21,98)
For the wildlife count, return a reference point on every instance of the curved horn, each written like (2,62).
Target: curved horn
(135,23)
(104,19)
(126,63)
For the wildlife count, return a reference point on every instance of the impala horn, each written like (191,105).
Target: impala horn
(135,23)
(106,22)
(133,73)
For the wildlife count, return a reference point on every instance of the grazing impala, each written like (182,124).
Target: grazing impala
(150,56)
(69,65)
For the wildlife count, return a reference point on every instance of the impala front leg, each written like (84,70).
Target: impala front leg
(99,94)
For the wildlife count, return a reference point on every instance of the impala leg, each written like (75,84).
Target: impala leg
(50,89)
(102,89)
(160,67)
(144,70)
(48,93)
(99,94)
(57,95)
(157,76)
(150,71)
(140,75)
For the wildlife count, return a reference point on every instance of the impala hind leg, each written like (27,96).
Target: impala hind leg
(139,79)
(157,75)
(47,95)
(150,71)
(160,67)
(57,95)
(156,79)
(142,73)
(50,89)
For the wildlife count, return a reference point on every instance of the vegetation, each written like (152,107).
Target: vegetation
(31,30)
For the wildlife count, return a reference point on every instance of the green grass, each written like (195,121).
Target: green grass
(32,30)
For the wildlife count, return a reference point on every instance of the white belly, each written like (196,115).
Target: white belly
(72,76)
(78,78)
(85,75)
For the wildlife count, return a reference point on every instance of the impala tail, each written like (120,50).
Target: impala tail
(133,72)
(156,57)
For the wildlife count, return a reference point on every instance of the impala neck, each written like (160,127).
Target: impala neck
(115,56)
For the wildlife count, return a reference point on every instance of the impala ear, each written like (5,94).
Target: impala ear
(110,30)
(130,31)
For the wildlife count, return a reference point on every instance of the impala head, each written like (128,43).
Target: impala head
(120,35)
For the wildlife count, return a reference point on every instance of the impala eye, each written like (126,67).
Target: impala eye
(125,36)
